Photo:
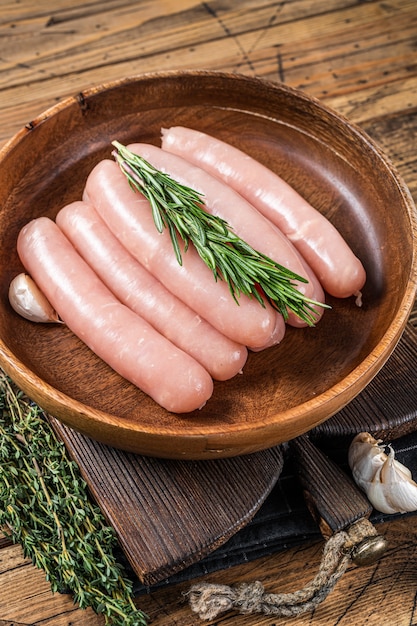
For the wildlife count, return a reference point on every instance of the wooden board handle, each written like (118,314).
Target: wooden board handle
(333,499)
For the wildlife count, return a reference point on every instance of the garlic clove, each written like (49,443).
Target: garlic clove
(365,458)
(400,488)
(377,493)
(387,483)
(405,500)
(28,301)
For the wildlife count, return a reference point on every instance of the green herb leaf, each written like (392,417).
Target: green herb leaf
(180,209)
(45,506)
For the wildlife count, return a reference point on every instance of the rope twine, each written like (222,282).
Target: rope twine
(210,600)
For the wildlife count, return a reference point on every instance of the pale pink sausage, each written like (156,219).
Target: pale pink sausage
(144,294)
(220,199)
(127,343)
(128,215)
(340,272)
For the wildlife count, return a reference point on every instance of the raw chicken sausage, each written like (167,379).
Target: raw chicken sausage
(128,215)
(144,294)
(220,199)
(127,343)
(339,271)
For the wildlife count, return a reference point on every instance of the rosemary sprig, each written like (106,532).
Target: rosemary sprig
(45,506)
(245,270)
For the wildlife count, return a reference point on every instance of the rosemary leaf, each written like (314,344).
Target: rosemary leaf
(245,270)
(45,506)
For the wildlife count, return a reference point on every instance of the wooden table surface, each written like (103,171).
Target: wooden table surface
(359,58)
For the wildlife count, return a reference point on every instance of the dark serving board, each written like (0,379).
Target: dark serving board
(169,514)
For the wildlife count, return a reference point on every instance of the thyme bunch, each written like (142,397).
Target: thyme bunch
(45,506)
(245,270)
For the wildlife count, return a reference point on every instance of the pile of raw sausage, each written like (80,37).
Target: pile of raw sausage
(171,329)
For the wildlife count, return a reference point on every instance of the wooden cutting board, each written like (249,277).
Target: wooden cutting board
(169,514)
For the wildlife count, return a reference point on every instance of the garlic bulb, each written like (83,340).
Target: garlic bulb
(387,483)
(27,299)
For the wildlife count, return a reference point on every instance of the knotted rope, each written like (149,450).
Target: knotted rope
(210,600)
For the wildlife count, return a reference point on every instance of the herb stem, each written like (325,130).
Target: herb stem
(45,506)
(246,271)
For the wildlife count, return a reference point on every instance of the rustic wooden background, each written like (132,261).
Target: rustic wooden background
(359,57)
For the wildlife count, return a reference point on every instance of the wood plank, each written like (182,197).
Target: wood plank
(85,43)
(362,596)
(330,54)
(170,514)
(368,595)
(25,593)
(358,57)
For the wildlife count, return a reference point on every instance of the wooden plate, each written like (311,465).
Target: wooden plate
(284,391)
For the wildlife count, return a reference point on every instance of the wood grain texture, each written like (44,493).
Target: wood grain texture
(284,391)
(359,57)
(187,509)
(331,495)
(382,594)
(170,514)
(387,407)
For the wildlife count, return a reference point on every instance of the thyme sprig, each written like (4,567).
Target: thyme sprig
(45,506)
(246,271)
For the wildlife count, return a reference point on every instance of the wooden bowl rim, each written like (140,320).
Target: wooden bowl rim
(215,443)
